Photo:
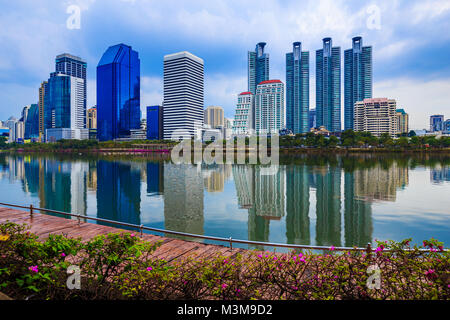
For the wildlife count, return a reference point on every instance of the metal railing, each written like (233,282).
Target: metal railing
(229,240)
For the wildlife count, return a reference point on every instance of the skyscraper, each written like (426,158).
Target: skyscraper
(328,86)
(297,89)
(183,95)
(76,67)
(258,67)
(118,93)
(245,112)
(42,92)
(155,123)
(269,107)
(32,123)
(357,78)
(436,122)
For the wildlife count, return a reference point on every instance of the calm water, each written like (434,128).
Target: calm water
(316,200)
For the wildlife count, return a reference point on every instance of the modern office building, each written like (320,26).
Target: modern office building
(76,67)
(258,67)
(436,122)
(312,118)
(447,125)
(43,90)
(183,96)
(214,117)
(377,116)
(92,118)
(118,93)
(328,86)
(297,89)
(402,121)
(155,123)
(269,107)
(64,106)
(244,117)
(357,78)
(32,123)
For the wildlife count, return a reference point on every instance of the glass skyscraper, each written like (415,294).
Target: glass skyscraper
(118,93)
(297,89)
(155,123)
(76,67)
(357,78)
(258,67)
(328,86)
(32,122)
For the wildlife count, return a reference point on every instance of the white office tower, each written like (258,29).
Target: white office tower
(269,107)
(183,96)
(243,119)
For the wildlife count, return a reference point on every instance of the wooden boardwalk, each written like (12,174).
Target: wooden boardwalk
(42,225)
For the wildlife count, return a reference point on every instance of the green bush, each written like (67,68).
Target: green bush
(121,266)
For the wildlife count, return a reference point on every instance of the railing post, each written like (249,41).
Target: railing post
(231,244)
(31,210)
(141,227)
(369,250)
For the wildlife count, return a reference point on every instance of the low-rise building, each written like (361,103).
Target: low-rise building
(376,115)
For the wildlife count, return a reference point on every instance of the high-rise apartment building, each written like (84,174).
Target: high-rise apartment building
(297,89)
(357,78)
(328,86)
(402,121)
(183,96)
(91,122)
(42,92)
(269,107)
(436,122)
(312,118)
(377,116)
(118,93)
(245,112)
(76,67)
(214,117)
(258,67)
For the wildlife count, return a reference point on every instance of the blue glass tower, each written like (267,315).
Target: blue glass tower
(297,89)
(57,101)
(258,67)
(357,78)
(155,123)
(118,93)
(328,86)
(32,123)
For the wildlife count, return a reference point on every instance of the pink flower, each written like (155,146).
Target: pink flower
(259,256)
(34,269)
(332,248)
(224,286)
(149,269)
(274,258)
(63,254)
(132,235)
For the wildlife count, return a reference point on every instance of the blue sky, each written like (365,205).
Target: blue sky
(410,39)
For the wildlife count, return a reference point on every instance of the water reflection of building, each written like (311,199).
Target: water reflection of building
(380,182)
(78,181)
(118,192)
(92,176)
(357,215)
(215,176)
(328,207)
(183,199)
(243,176)
(56,186)
(155,178)
(297,205)
(440,175)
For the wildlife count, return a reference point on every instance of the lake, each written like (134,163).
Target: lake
(308,199)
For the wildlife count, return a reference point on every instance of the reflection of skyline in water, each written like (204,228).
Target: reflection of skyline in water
(325,203)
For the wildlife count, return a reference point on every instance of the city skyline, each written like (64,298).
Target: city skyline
(397,47)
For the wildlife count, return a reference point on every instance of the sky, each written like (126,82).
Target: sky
(410,40)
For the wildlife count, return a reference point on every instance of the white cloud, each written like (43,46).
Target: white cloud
(222,90)
(419,98)
(151,93)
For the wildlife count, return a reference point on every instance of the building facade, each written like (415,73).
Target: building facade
(32,123)
(258,67)
(357,78)
(214,117)
(118,93)
(377,116)
(328,86)
(312,118)
(183,96)
(297,89)
(447,125)
(436,122)
(269,107)
(43,90)
(76,67)
(155,123)
(91,122)
(402,121)
(244,117)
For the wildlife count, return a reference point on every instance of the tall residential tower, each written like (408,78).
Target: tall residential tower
(328,86)
(258,67)
(297,89)
(357,78)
